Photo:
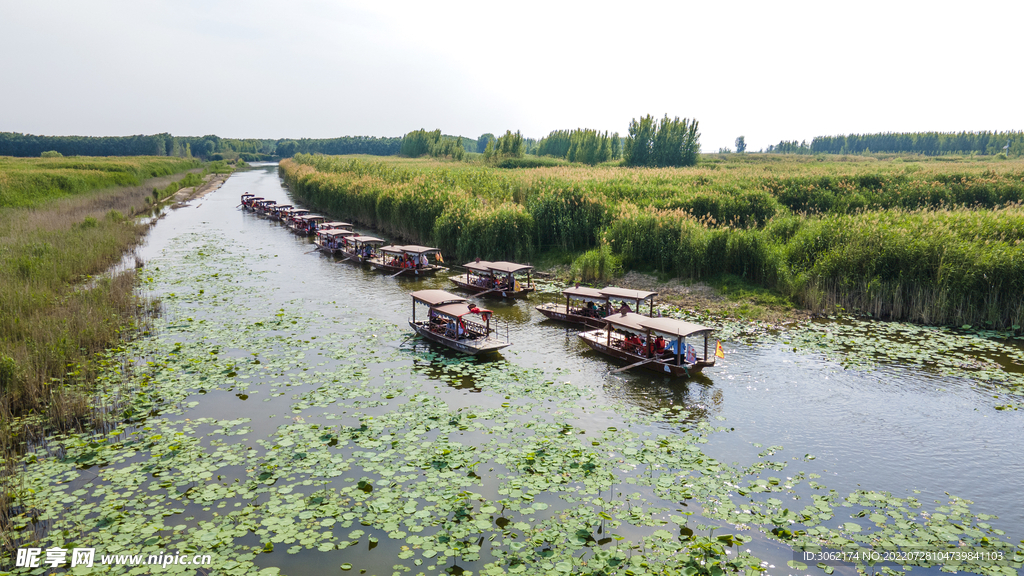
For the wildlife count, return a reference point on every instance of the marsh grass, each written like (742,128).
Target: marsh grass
(597,265)
(916,239)
(27,182)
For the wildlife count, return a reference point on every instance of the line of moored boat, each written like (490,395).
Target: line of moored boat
(613,315)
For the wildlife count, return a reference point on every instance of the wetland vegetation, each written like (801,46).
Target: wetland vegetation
(64,222)
(922,240)
(367,455)
(280,427)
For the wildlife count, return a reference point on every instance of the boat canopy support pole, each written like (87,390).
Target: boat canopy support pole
(679,351)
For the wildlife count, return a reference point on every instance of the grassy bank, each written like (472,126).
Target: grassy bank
(927,240)
(28,182)
(56,311)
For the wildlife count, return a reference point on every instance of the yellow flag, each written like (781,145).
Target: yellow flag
(718,350)
(439,258)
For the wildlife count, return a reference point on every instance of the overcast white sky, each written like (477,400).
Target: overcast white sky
(766,70)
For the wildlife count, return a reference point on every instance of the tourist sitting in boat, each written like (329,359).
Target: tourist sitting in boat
(424,263)
(591,310)
(658,347)
(625,343)
(636,345)
(625,309)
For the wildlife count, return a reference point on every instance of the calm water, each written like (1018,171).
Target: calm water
(890,429)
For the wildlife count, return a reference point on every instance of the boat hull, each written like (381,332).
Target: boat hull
(597,339)
(323,248)
(351,256)
(558,312)
(471,346)
(463,282)
(397,271)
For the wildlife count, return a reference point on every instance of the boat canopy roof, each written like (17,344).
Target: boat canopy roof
(414,249)
(673,327)
(585,294)
(312,217)
(247,194)
(459,309)
(336,232)
(627,294)
(283,206)
(337,224)
(296,212)
(256,198)
(481,266)
(669,327)
(509,267)
(367,240)
(436,297)
(393,249)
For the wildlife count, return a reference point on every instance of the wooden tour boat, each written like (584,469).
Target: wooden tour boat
(495,279)
(657,344)
(289,216)
(331,240)
(360,248)
(451,320)
(589,306)
(249,202)
(334,226)
(279,210)
(305,224)
(407,260)
(264,207)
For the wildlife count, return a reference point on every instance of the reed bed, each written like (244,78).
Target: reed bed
(57,309)
(927,240)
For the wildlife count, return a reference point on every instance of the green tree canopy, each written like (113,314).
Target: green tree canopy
(666,142)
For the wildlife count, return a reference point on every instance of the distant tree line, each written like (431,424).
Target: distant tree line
(581,145)
(511,145)
(210,146)
(371,145)
(26,145)
(483,141)
(789,147)
(666,142)
(928,143)
(422,143)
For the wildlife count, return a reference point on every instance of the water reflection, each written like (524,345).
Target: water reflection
(698,395)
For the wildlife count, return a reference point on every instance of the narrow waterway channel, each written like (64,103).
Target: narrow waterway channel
(902,429)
